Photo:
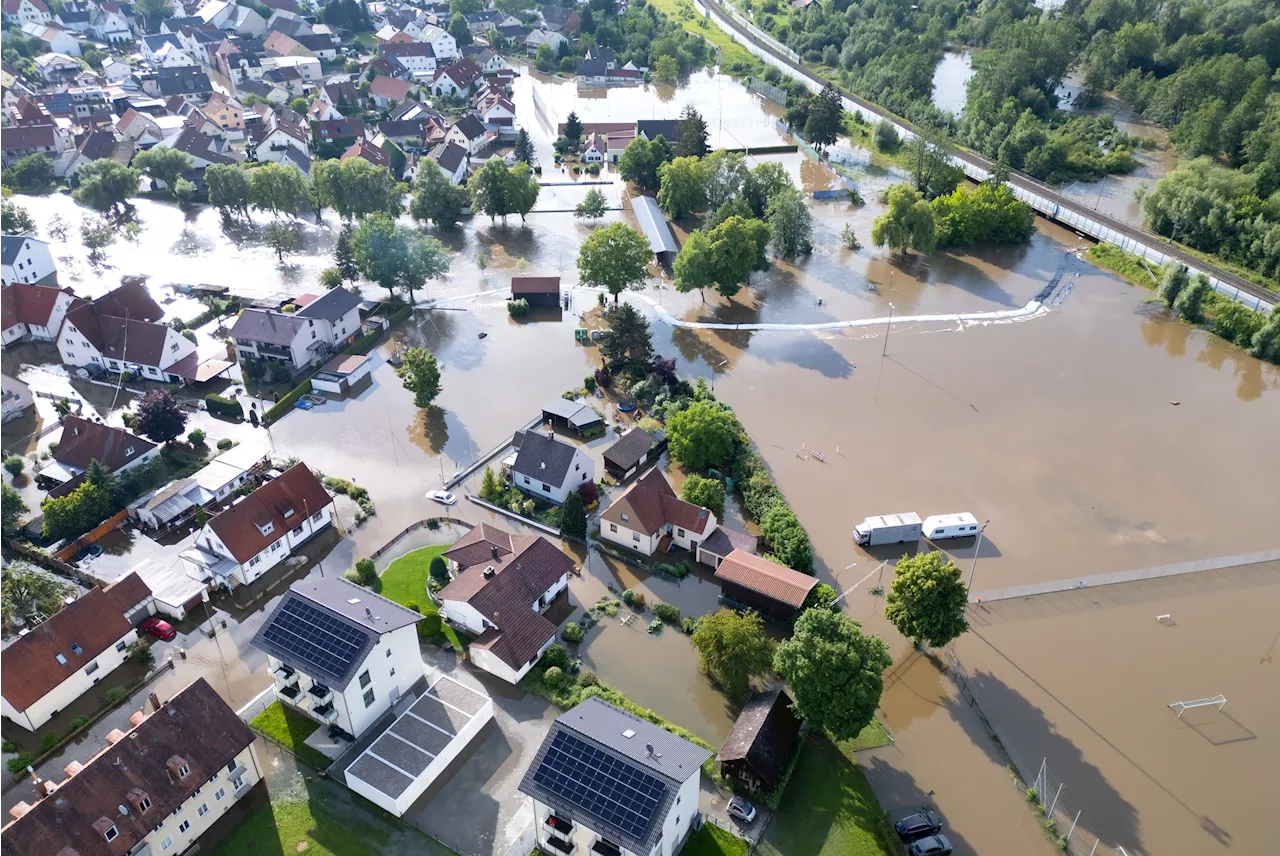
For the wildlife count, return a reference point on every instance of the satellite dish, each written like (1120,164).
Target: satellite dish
(124,812)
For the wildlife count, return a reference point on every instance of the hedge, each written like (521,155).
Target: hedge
(290,398)
(220,406)
(399,315)
(364,344)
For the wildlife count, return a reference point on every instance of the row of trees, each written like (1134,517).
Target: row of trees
(1189,298)
(989,213)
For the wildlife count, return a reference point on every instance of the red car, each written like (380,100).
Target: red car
(159,628)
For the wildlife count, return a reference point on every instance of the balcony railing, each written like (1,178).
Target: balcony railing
(291,692)
(326,713)
(320,693)
(559,845)
(559,824)
(285,675)
(604,847)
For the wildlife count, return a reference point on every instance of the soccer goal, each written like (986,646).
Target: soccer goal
(1218,701)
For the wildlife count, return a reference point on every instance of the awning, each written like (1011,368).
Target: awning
(194,369)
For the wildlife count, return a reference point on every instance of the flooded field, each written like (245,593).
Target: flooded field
(950,79)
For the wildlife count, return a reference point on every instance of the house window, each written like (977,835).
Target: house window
(679,531)
(546,487)
(613,527)
(365,679)
(121,646)
(184,826)
(231,765)
(526,479)
(91,668)
(111,833)
(175,346)
(61,659)
(167,843)
(297,531)
(255,560)
(219,794)
(393,669)
(76,649)
(203,810)
(368,697)
(183,771)
(144,804)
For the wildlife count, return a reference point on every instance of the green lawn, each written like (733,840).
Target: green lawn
(872,736)
(828,808)
(290,729)
(732,54)
(405,581)
(711,840)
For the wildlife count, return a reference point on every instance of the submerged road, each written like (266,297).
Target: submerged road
(1045,199)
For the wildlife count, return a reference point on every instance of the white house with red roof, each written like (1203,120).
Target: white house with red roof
(19,12)
(32,312)
(457,79)
(257,533)
(649,518)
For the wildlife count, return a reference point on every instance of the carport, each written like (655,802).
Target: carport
(402,763)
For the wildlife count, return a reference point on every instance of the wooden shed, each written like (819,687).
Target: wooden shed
(541,291)
(756,583)
(761,741)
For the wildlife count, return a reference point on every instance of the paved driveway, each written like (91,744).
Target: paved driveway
(475,806)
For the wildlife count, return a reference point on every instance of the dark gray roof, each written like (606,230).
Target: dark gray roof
(273,328)
(331,306)
(371,611)
(449,156)
(653,128)
(11,246)
(653,223)
(764,735)
(630,448)
(189,81)
(154,43)
(471,126)
(543,457)
(724,541)
(602,726)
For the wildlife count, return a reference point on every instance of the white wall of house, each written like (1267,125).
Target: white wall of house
(33,264)
(210,801)
(632,539)
(272,555)
(688,539)
(581,470)
(46,332)
(29,13)
(71,688)
(77,350)
(298,352)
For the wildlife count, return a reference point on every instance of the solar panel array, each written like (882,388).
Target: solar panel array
(612,790)
(315,637)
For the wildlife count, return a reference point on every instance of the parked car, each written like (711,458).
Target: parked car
(915,825)
(442,496)
(159,628)
(934,845)
(741,809)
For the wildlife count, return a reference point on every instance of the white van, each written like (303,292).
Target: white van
(941,526)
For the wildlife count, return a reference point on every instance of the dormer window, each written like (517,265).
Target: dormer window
(266,528)
(76,649)
(178,766)
(128,452)
(106,828)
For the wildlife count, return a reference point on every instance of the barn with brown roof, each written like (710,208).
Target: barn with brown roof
(537,290)
(757,583)
(761,742)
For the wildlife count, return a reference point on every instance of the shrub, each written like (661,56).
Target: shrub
(556,656)
(20,762)
(666,612)
(589,383)
(196,437)
(220,406)
(518,308)
(573,632)
(430,626)
(638,602)
(554,676)
(439,569)
(366,573)
(628,596)
(114,696)
(48,741)
(588,679)
(13,465)
(78,723)
(225,443)
(886,136)
(689,626)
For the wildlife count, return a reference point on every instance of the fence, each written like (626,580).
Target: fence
(774,93)
(1060,823)
(70,550)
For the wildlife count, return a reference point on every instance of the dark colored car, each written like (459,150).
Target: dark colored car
(934,845)
(159,628)
(915,825)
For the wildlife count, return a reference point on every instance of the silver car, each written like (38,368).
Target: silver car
(741,809)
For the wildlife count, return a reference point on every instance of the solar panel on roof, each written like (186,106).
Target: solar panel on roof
(611,789)
(315,637)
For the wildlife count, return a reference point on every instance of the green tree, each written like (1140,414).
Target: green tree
(14,219)
(420,374)
(279,188)
(826,118)
(300,105)
(666,69)
(615,257)
(163,165)
(12,507)
(987,214)
(788,542)
(1190,302)
(331,277)
(641,160)
(105,185)
(524,148)
(790,225)
(709,493)
(929,154)
(821,596)
(691,139)
(397,257)
(490,190)
(160,418)
(281,238)
(460,30)
(153,10)
(522,189)
(490,490)
(96,234)
(726,177)
(886,137)
(573,516)
(1173,279)
(436,199)
(907,224)
(344,258)
(732,649)
(737,248)
(694,267)
(763,183)
(628,338)
(32,174)
(835,671)
(573,130)
(927,599)
(355,188)
(703,435)
(228,188)
(593,206)
(682,186)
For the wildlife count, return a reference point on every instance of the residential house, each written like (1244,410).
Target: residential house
(470,133)
(287,78)
(644,783)
(341,132)
(489,60)
(97,144)
(308,69)
(549,468)
(204,151)
(212,484)
(235,64)
(31,312)
(275,94)
(282,143)
(755,582)
(111,24)
(55,39)
(179,769)
(215,13)
(19,141)
(416,58)
(561,19)
(595,149)
(340,654)
(116,70)
(385,91)
(542,36)
(289,24)
(452,160)
(164,50)
(278,337)
(761,742)
(651,129)
(24,259)
(717,546)
(56,67)
(188,81)
(648,518)
(133,597)
(445,46)
(226,111)
(15,398)
(321,45)
(342,96)
(405,132)
(599,71)
(487,21)
(255,534)
(497,112)
(282,44)
(91,337)
(62,658)
(631,452)
(130,299)
(22,12)
(337,313)
(392,35)
(83,442)
(367,151)
(457,79)
(322,111)
(502,584)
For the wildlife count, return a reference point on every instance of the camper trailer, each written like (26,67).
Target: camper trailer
(940,526)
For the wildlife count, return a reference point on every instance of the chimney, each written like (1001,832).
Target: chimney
(154,701)
(494,550)
(45,788)
(114,736)
(73,768)
(488,572)
(137,718)
(19,810)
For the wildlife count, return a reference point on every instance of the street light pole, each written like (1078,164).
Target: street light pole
(977,548)
(718,365)
(888,325)
(1101,185)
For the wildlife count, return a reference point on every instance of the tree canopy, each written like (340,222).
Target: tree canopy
(908,223)
(628,338)
(615,257)
(420,374)
(732,649)
(708,493)
(395,256)
(436,199)
(641,160)
(105,185)
(702,435)
(278,188)
(927,599)
(228,188)
(160,417)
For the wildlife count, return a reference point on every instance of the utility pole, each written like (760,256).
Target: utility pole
(888,326)
(1101,185)
(720,364)
(976,549)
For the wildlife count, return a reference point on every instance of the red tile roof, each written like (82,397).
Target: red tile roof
(768,578)
(297,491)
(650,503)
(389,87)
(128,591)
(31,666)
(83,442)
(21,303)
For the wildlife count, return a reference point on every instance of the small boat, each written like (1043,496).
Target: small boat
(818,455)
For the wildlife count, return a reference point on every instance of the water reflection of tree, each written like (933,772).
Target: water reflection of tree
(1249,370)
